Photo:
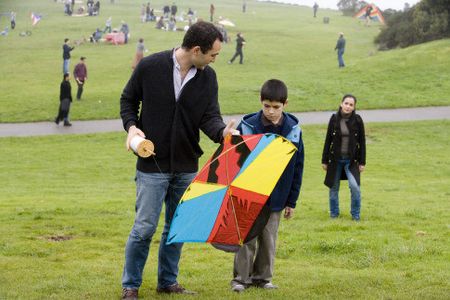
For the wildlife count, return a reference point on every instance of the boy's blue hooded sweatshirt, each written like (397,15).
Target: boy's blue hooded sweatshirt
(288,186)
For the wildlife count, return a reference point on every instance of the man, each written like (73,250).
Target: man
(315,8)
(176,92)
(80,74)
(340,47)
(66,55)
(240,42)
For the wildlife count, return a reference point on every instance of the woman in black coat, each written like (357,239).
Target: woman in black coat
(344,155)
(65,98)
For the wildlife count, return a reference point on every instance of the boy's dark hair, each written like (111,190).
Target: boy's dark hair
(65,76)
(274,90)
(65,40)
(201,34)
(348,96)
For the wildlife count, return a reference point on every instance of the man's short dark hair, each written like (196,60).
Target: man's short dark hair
(66,40)
(274,90)
(201,34)
(348,96)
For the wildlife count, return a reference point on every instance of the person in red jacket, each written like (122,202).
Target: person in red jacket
(80,75)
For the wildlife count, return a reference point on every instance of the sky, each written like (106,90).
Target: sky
(382,4)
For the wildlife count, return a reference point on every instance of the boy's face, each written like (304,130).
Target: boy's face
(273,110)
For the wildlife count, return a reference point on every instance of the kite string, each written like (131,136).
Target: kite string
(230,196)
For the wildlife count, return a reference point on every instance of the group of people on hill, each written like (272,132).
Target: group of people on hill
(93,9)
(185,103)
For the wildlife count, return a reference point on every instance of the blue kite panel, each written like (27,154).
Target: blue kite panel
(194,219)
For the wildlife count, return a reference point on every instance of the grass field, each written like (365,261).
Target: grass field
(67,205)
(283,41)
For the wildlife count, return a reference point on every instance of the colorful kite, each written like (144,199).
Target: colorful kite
(35,18)
(223,201)
(373,11)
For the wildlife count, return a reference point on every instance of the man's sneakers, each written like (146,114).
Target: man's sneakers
(175,288)
(129,294)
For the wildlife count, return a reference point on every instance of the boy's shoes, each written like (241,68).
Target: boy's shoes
(355,218)
(67,124)
(238,288)
(175,288)
(334,216)
(129,294)
(229,62)
(267,286)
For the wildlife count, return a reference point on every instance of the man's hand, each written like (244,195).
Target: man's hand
(324,167)
(230,130)
(132,132)
(361,168)
(288,212)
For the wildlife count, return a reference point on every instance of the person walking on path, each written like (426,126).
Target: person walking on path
(340,47)
(344,155)
(170,97)
(65,98)
(80,75)
(315,8)
(66,55)
(240,42)
(254,262)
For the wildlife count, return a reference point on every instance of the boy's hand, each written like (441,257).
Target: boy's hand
(288,212)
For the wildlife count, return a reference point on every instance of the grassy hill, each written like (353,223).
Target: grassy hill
(67,206)
(283,41)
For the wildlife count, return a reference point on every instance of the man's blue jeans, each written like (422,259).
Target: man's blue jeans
(354,190)
(152,189)
(340,54)
(66,66)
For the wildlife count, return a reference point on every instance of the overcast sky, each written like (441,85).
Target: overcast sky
(382,4)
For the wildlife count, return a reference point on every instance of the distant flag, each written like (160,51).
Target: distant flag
(35,18)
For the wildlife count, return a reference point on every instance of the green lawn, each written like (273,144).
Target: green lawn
(67,205)
(283,41)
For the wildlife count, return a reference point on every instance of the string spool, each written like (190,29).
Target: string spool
(142,147)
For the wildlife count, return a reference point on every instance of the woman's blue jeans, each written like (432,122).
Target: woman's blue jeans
(152,190)
(354,190)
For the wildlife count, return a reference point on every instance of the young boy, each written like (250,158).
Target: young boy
(254,262)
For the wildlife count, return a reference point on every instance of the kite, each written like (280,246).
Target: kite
(373,11)
(225,198)
(35,18)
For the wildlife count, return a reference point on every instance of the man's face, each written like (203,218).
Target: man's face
(201,60)
(272,110)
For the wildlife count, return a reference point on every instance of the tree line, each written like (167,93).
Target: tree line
(426,21)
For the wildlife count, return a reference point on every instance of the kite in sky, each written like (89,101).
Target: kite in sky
(35,18)
(224,199)
(374,13)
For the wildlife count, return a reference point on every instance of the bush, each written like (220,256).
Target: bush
(427,21)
